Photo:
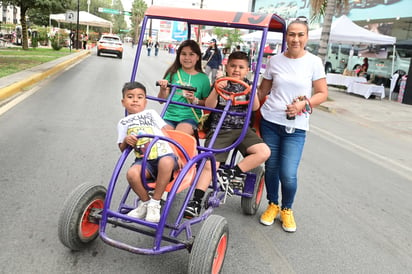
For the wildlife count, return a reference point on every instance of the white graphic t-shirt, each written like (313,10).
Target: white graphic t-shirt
(145,122)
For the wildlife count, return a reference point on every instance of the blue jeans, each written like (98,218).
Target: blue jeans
(282,166)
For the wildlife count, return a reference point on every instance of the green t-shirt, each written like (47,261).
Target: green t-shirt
(179,113)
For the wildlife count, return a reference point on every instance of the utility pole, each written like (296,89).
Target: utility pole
(150,26)
(88,10)
(199,39)
(77,29)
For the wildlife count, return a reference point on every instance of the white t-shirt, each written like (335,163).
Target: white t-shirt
(145,122)
(291,78)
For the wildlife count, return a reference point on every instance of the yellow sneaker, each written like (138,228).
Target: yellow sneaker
(270,214)
(288,222)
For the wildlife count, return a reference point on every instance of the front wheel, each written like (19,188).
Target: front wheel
(251,205)
(209,249)
(76,229)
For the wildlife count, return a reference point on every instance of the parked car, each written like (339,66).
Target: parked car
(111,44)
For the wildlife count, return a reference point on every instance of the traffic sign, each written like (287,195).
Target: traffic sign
(128,13)
(71,16)
(111,11)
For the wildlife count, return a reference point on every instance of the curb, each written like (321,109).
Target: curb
(326,108)
(16,87)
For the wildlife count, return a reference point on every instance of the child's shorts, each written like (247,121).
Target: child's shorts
(152,166)
(175,123)
(227,137)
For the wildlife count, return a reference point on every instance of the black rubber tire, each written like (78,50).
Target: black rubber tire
(98,53)
(75,230)
(251,205)
(210,246)
(328,67)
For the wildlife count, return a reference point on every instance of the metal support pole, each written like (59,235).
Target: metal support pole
(77,28)
(88,10)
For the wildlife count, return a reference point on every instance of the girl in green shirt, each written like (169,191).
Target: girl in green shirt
(186,70)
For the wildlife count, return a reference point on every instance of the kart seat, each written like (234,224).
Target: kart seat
(189,144)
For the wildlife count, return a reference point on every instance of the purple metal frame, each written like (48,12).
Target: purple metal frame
(181,225)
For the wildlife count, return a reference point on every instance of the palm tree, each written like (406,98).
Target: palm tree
(139,7)
(326,9)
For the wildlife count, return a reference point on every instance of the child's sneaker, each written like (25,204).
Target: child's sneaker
(270,214)
(192,209)
(287,219)
(236,182)
(153,213)
(139,212)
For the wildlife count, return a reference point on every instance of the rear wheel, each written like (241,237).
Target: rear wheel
(328,67)
(209,249)
(76,229)
(120,55)
(98,53)
(251,205)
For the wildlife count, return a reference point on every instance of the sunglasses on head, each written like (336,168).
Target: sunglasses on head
(298,19)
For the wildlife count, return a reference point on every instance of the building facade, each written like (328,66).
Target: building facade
(9,14)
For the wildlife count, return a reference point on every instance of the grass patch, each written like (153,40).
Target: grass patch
(13,60)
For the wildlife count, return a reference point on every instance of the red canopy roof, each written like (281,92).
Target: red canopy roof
(247,20)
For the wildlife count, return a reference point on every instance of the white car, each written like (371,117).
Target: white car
(111,44)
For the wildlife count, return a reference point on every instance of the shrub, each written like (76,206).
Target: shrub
(34,42)
(55,43)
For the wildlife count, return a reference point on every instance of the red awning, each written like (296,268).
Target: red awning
(247,20)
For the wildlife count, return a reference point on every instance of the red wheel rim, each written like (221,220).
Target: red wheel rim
(220,254)
(88,229)
(260,191)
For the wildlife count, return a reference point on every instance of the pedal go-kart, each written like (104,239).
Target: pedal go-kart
(90,208)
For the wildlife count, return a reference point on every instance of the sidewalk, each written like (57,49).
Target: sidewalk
(12,85)
(380,112)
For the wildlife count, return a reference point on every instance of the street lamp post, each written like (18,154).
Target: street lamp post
(88,10)
(77,27)
(150,26)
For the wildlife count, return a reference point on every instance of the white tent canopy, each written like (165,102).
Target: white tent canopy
(85,18)
(272,37)
(344,31)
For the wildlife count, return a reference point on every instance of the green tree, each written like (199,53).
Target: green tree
(26,5)
(326,9)
(233,36)
(118,20)
(139,7)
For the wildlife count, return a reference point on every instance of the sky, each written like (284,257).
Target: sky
(230,5)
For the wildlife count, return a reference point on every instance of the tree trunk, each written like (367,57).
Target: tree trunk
(24,40)
(327,23)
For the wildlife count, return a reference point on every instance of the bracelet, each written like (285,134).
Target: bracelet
(308,106)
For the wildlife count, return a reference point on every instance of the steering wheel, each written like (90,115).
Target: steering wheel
(228,95)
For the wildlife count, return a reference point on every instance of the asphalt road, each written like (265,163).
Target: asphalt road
(353,207)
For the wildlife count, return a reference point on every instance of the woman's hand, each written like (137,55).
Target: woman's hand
(295,108)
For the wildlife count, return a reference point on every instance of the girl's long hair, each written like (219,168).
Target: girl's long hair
(194,46)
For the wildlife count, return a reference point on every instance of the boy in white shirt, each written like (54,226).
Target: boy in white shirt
(161,161)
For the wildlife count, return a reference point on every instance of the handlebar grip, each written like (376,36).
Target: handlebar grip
(189,88)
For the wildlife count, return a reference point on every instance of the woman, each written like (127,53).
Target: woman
(186,70)
(213,58)
(288,82)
